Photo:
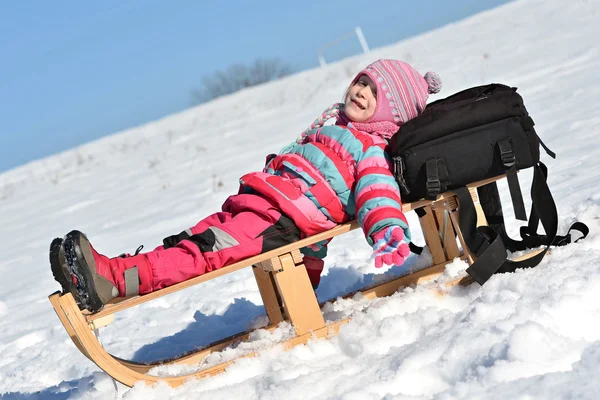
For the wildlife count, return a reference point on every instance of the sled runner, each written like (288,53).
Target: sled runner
(285,290)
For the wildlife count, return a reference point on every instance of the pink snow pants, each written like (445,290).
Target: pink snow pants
(248,225)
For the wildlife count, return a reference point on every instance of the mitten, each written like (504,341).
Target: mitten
(389,246)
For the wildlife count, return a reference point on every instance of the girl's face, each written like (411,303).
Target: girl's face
(361,100)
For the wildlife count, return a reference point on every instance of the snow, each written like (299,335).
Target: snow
(534,334)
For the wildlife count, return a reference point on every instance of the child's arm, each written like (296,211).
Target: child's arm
(378,205)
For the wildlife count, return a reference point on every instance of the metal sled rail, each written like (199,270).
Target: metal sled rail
(285,290)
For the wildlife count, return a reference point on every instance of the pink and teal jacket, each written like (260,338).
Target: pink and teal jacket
(333,175)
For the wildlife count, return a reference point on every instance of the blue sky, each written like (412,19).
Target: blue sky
(73,71)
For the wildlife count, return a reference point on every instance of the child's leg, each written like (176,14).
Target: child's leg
(181,263)
(249,225)
(313,261)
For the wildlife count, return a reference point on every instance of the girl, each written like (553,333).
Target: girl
(329,175)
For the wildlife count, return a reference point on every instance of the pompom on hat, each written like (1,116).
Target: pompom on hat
(401,91)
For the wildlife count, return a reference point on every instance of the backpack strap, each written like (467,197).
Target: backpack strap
(489,199)
(437,177)
(488,244)
(507,155)
(528,124)
(533,239)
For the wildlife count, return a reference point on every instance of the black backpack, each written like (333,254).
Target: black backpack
(480,133)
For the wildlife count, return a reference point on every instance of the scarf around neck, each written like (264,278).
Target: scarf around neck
(384,129)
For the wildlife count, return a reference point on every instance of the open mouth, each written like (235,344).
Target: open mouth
(358,104)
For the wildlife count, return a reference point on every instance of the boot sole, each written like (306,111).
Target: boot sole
(77,251)
(57,266)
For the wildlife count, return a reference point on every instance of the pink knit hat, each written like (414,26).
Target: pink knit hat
(401,91)
(401,95)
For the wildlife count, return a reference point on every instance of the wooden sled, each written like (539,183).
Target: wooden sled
(285,290)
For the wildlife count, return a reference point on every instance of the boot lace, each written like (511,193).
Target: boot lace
(137,251)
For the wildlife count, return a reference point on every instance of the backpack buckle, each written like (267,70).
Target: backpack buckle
(507,155)
(508,158)
(398,171)
(397,167)
(434,186)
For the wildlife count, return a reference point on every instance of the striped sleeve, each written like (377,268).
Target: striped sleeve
(377,194)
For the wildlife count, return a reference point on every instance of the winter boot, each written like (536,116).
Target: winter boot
(58,265)
(98,279)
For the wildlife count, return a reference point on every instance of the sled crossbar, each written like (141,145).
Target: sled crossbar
(285,290)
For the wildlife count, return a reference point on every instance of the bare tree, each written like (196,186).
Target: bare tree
(238,77)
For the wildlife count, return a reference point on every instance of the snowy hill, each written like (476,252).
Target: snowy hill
(530,335)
